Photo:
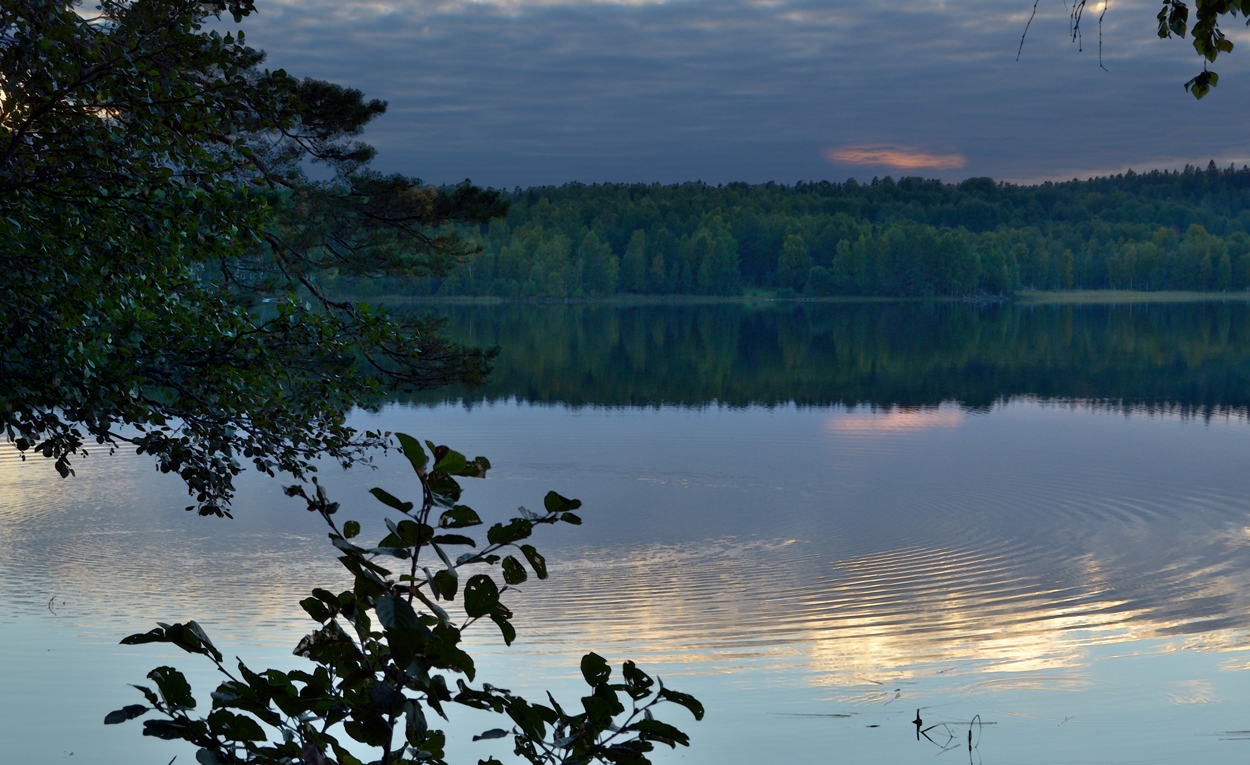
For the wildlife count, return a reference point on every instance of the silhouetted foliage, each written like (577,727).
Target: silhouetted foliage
(388,652)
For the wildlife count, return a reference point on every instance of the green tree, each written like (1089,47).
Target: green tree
(658,273)
(714,253)
(601,267)
(820,283)
(795,262)
(634,263)
(153,193)
(1067,272)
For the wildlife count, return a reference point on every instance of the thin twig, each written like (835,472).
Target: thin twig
(1026,29)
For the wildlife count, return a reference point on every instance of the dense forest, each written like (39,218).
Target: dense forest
(1181,230)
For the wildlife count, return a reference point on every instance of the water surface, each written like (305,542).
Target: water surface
(1053,543)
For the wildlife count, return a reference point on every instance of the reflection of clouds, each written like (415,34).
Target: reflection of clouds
(995,609)
(899,420)
(1005,615)
(1191,692)
(1008,570)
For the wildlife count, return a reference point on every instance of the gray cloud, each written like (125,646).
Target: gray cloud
(524,93)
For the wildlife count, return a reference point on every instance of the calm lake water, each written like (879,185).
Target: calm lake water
(818,518)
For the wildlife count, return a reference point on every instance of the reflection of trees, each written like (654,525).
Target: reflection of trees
(1195,357)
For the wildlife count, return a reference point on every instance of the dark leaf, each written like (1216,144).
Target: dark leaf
(595,669)
(438,610)
(415,721)
(517,529)
(190,637)
(513,571)
(637,683)
(316,609)
(207,757)
(173,686)
(500,616)
(445,584)
(459,517)
(325,645)
(414,534)
(129,712)
(390,500)
(558,504)
(387,698)
(235,727)
(684,699)
(537,561)
(598,711)
(480,595)
(451,463)
(412,450)
(453,539)
(167,730)
(654,730)
(445,489)
(395,612)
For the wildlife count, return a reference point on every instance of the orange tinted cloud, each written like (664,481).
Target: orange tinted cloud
(902,157)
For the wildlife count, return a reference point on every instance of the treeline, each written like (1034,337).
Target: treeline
(1182,230)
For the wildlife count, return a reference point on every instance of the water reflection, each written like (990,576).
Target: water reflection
(923,552)
(896,420)
(1070,568)
(1195,356)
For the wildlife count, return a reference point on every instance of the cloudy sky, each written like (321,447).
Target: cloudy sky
(529,92)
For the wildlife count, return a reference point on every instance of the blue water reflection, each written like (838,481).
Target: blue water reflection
(1076,577)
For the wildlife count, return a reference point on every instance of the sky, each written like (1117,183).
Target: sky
(534,92)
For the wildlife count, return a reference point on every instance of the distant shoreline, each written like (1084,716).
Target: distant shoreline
(1036,297)
(1023,297)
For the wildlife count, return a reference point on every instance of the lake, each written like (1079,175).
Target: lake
(1027,523)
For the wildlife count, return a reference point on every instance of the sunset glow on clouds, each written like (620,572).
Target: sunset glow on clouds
(531,92)
(899,157)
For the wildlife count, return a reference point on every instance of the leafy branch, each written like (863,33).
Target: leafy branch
(388,650)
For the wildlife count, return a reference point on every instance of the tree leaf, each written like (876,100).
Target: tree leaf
(446,584)
(413,451)
(513,571)
(684,699)
(595,669)
(395,612)
(390,500)
(537,561)
(128,712)
(480,595)
(517,529)
(454,539)
(173,686)
(558,504)
(459,517)
(654,730)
